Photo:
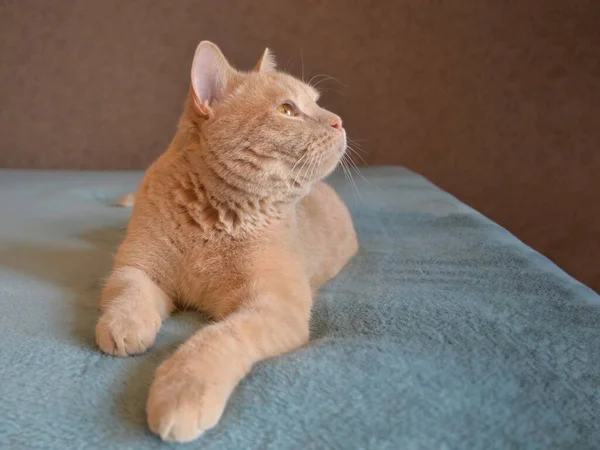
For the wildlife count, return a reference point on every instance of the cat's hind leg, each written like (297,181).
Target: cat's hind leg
(133,308)
(126,201)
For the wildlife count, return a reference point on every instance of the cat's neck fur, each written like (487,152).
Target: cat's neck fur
(214,203)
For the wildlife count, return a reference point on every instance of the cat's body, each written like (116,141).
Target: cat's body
(201,268)
(230,222)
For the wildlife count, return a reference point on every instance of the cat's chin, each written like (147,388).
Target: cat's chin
(333,165)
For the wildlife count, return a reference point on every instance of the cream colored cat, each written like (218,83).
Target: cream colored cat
(231,220)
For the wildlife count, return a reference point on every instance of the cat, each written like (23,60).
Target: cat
(232,220)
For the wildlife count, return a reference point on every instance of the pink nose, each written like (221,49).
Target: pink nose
(336,122)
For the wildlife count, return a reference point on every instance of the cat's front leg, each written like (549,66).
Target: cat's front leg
(191,389)
(133,308)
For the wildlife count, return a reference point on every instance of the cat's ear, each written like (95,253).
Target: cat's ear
(266,63)
(210,75)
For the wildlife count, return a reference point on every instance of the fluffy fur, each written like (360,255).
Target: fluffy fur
(234,221)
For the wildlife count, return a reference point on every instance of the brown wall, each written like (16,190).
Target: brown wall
(496,101)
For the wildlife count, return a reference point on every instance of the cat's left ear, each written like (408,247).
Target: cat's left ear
(266,63)
(211,73)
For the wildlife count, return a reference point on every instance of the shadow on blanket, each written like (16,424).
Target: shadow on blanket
(78,272)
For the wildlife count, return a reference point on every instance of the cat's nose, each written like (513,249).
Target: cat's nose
(335,122)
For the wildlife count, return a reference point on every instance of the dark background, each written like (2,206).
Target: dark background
(497,102)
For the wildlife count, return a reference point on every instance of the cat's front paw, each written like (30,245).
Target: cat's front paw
(183,403)
(122,334)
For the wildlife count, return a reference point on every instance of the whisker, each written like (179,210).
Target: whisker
(326,78)
(353,164)
(355,153)
(301,169)
(295,164)
(358,170)
(323,90)
(355,144)
(309,162)
(292,169)
(305,177)
(352,180)
(317,164)
(313,166)
(341,162)
(322,81)
(288,65)
(355,187)
(343,165)
(356,141)
(319,82)
(302,61)
(312,78)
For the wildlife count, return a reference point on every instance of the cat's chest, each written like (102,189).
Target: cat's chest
(209,273)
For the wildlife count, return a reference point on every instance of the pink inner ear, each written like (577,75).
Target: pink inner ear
(202,77)
(209,73)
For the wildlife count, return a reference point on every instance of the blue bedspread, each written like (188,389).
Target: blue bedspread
(445,332)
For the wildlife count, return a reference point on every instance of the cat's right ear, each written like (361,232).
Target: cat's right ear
(210,75)
(266,63)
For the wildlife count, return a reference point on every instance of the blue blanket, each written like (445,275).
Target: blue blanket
(444,332)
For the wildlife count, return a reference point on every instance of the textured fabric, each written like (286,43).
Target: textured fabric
(444,332)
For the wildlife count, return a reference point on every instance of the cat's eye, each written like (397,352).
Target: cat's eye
(286,109)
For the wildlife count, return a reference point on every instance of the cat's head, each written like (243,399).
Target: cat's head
(262,130)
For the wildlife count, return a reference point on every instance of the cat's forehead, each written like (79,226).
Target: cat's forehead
(296,86)
(279,83)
